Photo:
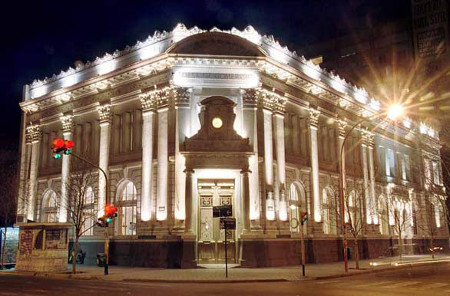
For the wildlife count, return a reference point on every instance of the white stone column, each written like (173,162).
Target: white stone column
(105,126)
(163,155)
(188,201)
(34,134)
(268,158)
(313,126)
(246,199)
(182,98)
(367,197)
(148,111)
(250,128)
(281,163)
(67,123)
(370,139)
(341,136)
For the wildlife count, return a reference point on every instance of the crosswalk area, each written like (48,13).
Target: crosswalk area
(413,284)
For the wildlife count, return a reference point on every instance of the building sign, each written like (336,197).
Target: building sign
(430,29)
(222,211)
(12,238)
(228,223)
(219,77)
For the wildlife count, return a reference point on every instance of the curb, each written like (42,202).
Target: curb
(217,281)
(381,269)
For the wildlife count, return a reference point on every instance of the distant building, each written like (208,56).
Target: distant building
(191,119)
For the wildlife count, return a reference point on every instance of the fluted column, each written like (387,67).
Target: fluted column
(313,126)
(67,124)
(280,151)
(104,112)
(246,199)
(266,102)
(34,134)
(188,201)
(374,206)
(341,136)
(367,197)
(182,98)
(148,105)
(250,127)
(162,98)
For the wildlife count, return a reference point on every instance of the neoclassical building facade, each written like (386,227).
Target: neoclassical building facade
(191,119)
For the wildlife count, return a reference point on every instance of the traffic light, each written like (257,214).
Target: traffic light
(110,213)
(303,217)
(59,145)
(102,222)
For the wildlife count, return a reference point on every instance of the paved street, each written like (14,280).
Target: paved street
(425,280)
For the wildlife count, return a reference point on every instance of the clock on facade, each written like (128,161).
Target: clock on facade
(217,122)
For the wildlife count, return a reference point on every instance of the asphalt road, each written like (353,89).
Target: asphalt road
(428,280)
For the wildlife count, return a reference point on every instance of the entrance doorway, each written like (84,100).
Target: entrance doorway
(211,239)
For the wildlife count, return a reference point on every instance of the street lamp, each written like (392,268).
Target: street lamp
(393,113)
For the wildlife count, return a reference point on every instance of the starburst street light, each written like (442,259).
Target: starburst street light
(395,111)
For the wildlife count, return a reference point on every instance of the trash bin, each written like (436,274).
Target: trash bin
(101,259)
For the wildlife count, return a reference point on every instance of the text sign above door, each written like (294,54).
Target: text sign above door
(228,223)
(222,211)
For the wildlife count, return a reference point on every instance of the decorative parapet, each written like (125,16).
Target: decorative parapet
(33,133)
(104,111)
(314,117)
(67,123)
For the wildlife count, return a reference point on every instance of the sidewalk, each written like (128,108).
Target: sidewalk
(216,273)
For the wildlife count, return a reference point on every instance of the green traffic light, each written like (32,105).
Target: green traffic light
(109,220)
(68,151)
(57,156)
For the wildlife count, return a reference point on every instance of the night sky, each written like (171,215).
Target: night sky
(40,38)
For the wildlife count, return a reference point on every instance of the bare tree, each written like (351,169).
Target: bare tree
(353,215)
(79,187)
(399,216)
(8,195)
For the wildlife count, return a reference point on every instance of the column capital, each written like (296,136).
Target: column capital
(341,124)
(181,95)
(249,97)
(188,171)
(245,171)
(313,117)
(271,100)
(33,133)
(104,112)
(66,122)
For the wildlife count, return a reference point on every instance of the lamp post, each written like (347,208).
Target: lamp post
(393,112)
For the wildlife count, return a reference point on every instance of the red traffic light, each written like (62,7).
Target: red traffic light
(110,210)
(69,144)
(58,143)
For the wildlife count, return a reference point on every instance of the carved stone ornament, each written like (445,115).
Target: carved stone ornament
(271,100)
(341,127)
(33,133)
(104,111)
(181,95)
(314,117)
(67,123)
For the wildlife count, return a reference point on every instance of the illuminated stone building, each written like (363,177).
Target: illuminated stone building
(191,119)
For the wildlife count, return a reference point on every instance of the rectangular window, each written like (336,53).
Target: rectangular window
(390,163)
(403,166)
(436,175)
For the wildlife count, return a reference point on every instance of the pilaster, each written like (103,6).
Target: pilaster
(67,124)
(104,112)
(34,136)
(313,126)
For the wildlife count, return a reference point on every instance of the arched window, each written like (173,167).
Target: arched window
(328,211)
(297,204)
(127,203)
(49,208)
(89,215)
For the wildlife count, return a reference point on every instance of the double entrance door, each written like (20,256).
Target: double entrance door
(211,239)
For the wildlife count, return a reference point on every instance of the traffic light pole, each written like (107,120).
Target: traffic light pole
(107,200)
(302,246)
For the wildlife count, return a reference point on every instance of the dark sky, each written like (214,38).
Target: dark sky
(40,38)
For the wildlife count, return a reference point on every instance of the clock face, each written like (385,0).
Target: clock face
(217,122)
